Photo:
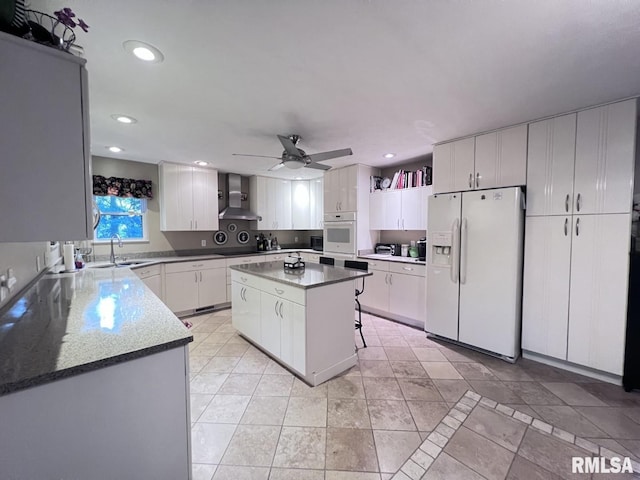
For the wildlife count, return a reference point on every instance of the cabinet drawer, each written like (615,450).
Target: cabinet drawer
(294,294)
(274,257)
(378,265)
(408,269)
(146,272)
(194,265)
(243,260)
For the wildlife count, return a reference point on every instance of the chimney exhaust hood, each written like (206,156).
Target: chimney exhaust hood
(234,210)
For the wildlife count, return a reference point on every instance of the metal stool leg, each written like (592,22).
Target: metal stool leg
(359,323)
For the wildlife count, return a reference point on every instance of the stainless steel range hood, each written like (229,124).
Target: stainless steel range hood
(234,210)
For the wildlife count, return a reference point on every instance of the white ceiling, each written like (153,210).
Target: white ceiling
(375,75)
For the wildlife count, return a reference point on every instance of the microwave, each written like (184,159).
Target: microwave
(316,242)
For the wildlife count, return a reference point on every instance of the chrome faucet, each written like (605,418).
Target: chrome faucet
(112,256)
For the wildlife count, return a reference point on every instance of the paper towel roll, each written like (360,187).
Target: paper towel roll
(69,257)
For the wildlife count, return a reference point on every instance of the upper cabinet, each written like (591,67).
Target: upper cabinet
(188,198)
(341,189)
(300,205)
(316,203)
(45,183)
(583,163)
(402,209)
(492,160)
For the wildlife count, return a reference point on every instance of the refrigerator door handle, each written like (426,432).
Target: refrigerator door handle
(455,250)
(463,252)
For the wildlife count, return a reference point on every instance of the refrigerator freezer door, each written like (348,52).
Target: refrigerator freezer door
(443,253)
(491,273)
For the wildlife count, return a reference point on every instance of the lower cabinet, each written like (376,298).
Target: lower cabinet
(575,289)
(191,285)
(398,290)
(152,277)
(246,311)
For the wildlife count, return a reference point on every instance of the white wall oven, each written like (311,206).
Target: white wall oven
(340,234)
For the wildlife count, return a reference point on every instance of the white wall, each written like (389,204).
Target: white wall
(22,258)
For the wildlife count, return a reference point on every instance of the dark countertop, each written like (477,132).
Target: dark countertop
(313,275)
(67,324)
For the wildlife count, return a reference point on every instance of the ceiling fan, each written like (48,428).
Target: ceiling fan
(294,157)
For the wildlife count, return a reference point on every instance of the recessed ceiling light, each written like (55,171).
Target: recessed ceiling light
(201,163)
(298,178)
(389,155)
(124,119)
(115,149)
(144,51)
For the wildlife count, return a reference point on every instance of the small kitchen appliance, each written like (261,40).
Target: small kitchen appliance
(293,262)
(316,242)
(422,249)
(388,248)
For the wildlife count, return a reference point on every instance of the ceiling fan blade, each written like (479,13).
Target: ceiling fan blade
(289,146)
(277,166)
(317,166)
(318,157)
(248,155)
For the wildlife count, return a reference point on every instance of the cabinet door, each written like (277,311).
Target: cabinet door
(501,158)
(453,166)
(598,294)
(413,209)
(407,296)
(300,205)
(331,191)
(349,189)
(316,203)
(176,197)
(392,210)
(181,291)
(293,336)
(45,184)
(212,284)
(377,210)
(271,310)
(605,156)
(155,285)
(282,208)
(550,163)
(205,199)
(245,303)
(545,289)
(376,291)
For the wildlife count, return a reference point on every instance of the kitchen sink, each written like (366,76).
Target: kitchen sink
(126,263)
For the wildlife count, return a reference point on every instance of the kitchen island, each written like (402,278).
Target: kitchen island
(93,381)
(302,318)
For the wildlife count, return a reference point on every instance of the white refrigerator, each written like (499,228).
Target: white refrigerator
(474,268)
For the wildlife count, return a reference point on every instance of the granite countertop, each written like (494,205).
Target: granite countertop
(139,262)
(391,258)
(66,324)
(313,275)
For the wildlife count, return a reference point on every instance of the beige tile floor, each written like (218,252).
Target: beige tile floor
(252,419)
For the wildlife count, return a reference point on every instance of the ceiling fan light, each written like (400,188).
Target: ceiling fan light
(293,164)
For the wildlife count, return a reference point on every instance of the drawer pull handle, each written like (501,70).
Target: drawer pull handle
(278,291)
(407,268)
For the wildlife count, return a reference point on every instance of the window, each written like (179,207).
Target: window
(124,216)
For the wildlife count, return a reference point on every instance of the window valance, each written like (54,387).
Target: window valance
(122,187)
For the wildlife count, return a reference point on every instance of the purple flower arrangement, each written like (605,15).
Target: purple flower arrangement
(66,17)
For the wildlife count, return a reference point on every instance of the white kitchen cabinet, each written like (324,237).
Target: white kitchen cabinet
(311,257)
(316,204)
(270,313)
(605,157)
(270,198)
(188,198)
(407,289)
(246,311)
(453,166)
(501,158)
(152,277)
(403,209)
(239,261)
(195,284)
(293,336)
(547,273)
(550,166)
(45,184)
(341,189)
(376,287)
(598,294)
(300,205)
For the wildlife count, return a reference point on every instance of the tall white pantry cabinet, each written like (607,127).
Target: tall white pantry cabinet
(579,198)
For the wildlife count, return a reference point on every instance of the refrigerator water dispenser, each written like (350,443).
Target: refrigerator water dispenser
(441,243)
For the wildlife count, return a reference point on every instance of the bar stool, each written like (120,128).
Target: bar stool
(359,266)
(327,261)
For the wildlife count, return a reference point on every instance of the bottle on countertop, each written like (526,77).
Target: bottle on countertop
(269,243)
(79,261)
(274,244)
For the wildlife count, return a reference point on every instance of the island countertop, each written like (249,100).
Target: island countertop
(313,275)
(67,324)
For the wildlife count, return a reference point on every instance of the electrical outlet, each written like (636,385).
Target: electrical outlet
(3,291)
(295,239)
(203,243)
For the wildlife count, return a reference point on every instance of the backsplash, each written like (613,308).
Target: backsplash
(21,257)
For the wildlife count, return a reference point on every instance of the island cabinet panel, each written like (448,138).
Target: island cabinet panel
(293,336)
(246,311)
(270,315)
(45,179)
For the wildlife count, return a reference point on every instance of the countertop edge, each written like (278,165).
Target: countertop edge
(49,377)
